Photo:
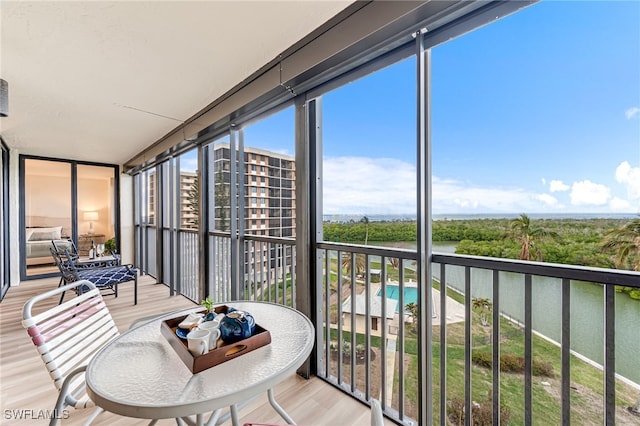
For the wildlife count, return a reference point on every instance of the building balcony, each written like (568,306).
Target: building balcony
(566,345)
(27,388)
(435,337)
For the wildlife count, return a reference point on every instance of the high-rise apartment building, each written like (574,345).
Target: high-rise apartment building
(268,186)
(188,193)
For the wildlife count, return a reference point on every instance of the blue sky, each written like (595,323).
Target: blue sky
(538,112)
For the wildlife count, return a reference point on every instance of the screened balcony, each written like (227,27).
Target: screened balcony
(548,312)
(233,204)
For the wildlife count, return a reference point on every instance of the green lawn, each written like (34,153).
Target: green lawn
(586,380)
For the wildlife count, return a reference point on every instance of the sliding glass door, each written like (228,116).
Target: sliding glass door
(65,200)
(95,206)
(47,212)
(5,278)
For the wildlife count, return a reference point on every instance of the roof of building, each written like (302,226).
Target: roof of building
(375,306)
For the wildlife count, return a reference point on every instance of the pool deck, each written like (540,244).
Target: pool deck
(454,310)
(454,313)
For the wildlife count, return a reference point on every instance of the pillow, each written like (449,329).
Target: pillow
(43,236)
(40,234)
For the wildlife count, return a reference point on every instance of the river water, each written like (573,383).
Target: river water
(587,312)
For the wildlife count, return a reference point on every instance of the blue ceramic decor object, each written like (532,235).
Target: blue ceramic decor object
(182,333)
(210,316)
(237,325)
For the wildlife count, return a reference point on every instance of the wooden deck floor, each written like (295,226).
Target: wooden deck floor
(27,391)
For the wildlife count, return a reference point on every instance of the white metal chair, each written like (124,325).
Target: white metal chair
(67,336)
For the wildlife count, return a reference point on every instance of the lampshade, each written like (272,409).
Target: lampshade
(90,215)
(4,98)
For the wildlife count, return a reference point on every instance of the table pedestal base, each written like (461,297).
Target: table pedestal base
(216,419)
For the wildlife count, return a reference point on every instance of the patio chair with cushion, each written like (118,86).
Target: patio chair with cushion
(68,244)
(105,278)
(61,245)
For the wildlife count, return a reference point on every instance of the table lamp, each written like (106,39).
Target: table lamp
(91,217)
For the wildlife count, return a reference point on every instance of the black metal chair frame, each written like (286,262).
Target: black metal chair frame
(71,271)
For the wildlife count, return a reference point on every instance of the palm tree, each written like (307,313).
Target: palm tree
(413,310)
(625,241)
(221,191)
(484,306)
(365,220)
(526,234)
(193,200)
(346,263)
(395,262)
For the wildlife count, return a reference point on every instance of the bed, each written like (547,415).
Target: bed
(39,232)
(39,243)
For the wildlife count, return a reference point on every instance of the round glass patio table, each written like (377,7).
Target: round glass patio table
(140,375)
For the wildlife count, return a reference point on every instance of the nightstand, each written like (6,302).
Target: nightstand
(84,243)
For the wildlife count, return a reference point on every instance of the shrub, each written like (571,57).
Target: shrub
(455,410)
(541,368)
(483,359)
(481,413)
(512,364)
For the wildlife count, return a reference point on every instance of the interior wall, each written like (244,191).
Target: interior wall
(48,196)
(95,195)
(14,216)
(126,219)
(48,202)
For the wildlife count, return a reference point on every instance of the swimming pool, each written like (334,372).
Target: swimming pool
(393,292)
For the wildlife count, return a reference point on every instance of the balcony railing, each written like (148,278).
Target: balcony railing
(533,308)
(266,269)
(565,341)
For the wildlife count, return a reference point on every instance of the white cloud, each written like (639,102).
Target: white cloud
(630,177)
(452,196)
(544,181)
(558,186)
(361,185)
(619,205)
(587,193)
(548,200)
(632,112)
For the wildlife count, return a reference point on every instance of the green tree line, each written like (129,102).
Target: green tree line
(364,230)
(603,243)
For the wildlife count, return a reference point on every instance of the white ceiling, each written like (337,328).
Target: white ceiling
(100,81)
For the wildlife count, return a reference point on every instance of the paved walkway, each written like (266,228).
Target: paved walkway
(454,313)
(454,310)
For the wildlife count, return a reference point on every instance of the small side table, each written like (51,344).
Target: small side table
(140,375)
(84,242)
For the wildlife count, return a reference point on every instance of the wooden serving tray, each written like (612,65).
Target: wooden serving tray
(226,352)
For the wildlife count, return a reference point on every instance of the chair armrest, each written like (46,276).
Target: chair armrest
(70,399)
